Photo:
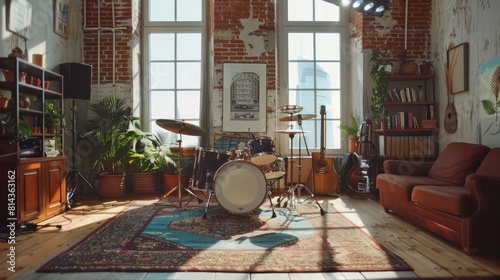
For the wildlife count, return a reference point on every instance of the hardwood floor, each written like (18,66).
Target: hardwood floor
(429,255)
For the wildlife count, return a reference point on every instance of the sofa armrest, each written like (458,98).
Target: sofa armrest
(405,167)
(485,190)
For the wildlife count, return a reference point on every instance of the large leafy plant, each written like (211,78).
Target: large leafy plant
(145,153)
(109,126)
(380,74)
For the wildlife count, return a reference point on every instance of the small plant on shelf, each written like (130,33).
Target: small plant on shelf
(380,74)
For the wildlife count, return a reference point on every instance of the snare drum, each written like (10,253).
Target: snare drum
(240,186)
(207,161)
(275,170)
(262,150)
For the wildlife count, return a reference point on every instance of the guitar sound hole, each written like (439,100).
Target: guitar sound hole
(449,115)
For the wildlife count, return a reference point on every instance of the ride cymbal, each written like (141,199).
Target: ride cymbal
(291,131)
(181,127)
(290,109)
(297,117)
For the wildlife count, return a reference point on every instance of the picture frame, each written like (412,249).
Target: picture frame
(18,17)
(61,18)
(244,97)
(458,58)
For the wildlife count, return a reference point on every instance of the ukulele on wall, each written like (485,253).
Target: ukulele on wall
(323,176)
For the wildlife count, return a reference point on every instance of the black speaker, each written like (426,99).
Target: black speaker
(77,80)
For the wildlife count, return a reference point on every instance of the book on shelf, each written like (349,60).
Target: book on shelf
(404,146)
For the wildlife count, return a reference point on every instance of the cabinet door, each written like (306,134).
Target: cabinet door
(55,187)
(30,199)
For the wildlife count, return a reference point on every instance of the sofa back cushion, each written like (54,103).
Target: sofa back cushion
(490,167)
(457,161)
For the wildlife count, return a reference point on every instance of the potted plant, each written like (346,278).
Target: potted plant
(425,67)
(55,122)
(109,127)
(380,74)
(351,132)
(143,159)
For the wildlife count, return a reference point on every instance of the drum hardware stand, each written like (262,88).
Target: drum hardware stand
(180,187)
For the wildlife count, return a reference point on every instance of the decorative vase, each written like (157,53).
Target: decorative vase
(112,185)
(408,69)
(145,182)
(425,69)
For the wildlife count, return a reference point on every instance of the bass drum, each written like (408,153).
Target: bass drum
(240,186)
(207,162)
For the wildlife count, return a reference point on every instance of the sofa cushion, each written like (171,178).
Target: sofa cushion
(456,200)
(400,186)
(490,167)
(457,161)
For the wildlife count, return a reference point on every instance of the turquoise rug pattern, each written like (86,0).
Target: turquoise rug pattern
(160,237)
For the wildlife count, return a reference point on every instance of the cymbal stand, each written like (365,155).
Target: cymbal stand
(180,187)
(289,192)
(299,185)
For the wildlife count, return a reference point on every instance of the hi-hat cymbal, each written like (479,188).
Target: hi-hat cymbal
(297,117)
(290,109)
(291,131)
(181,127)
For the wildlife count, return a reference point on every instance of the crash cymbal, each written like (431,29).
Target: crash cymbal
(181,127)
(291,131)
(297,117)
(290,109)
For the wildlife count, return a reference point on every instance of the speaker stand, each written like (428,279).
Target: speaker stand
(74,174)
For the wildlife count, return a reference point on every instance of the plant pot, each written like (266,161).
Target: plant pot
(408,69)
(170,181)
(112,185)
(144,182)
(353,145)
(4,102)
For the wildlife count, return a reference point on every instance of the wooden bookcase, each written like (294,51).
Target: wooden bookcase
(36,187)
(410,130)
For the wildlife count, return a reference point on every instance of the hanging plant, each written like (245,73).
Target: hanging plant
(380,74)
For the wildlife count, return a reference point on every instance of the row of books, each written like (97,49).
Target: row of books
(406,146)
(404,95)
(402,120)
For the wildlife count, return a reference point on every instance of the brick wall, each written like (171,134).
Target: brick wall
(387,32)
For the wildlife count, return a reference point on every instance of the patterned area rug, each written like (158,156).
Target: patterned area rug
(160,237)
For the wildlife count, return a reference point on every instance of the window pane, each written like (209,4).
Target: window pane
(162,75)
(326,11)
(300,10)
(161,10)
(189,46)
(301,75)
(328,75)
(306,99)
(301,46)
(188,10)
(188,75)
(327,46)
(161,46)
(162,105)
(188,104)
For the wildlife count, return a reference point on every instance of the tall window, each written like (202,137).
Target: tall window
(313,33)
(173,45)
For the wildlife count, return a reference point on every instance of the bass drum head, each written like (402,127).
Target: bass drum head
(240,186)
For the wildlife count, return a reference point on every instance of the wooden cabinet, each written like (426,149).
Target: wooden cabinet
(37,188)
(410,130)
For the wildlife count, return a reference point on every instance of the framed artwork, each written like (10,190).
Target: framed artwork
(458,63)
(489,122)
(61,18)
(18,17)
(244,97)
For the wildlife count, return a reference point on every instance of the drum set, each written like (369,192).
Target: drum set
(239,179)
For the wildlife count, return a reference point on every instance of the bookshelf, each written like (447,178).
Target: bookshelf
(410,129)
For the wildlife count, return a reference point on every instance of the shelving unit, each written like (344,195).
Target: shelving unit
(410,130)
(37,188)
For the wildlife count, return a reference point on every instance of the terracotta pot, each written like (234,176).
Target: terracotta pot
(4,102)
(112,185)
(144,182)
(425,69)
(353,145)
(170,181)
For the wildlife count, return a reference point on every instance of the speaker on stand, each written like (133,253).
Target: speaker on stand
(76,86)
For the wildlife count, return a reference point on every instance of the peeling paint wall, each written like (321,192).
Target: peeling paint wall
(455,22)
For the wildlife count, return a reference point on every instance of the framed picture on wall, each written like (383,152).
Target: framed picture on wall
(458,64)
(244,97)
(61,18)
(18,17)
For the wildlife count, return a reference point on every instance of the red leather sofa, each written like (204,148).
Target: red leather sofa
(457,196)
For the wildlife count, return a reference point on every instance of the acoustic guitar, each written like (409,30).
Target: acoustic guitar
(323,176)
